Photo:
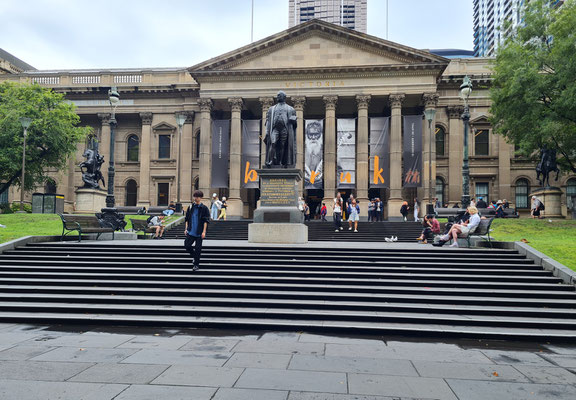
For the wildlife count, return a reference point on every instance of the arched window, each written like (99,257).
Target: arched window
(570,191)
(131,193)
(481,142)
(440,186)
(440,135)
(133,148)
(197,153)
(50,186)
(522,192)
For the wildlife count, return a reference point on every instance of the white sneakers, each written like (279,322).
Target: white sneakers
(355,230)
(391,239)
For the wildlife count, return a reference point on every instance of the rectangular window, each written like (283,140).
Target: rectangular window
(482,191)
(522,196)
(481,139)
(164,146)
(4,197)
(163,193)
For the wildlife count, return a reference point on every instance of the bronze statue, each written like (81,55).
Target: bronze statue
(92,174)
(546,165)
(280,136)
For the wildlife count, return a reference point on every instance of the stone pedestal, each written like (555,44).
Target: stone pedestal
(277,218)
(90,200)
(550,196)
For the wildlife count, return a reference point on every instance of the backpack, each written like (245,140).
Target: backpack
(149,219)
(541,207)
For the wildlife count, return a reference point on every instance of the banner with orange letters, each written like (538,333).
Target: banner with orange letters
(346,153)
(412,151)
(379,152)
(250,153)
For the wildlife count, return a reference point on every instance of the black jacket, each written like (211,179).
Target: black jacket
(204,218)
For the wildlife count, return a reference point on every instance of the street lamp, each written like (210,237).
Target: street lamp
(429,113)
(114,99)
(180,120)
(465,90)
(25,121)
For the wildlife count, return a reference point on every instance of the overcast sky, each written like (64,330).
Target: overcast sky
(70,34)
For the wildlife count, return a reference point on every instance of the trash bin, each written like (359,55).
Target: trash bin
(38,203)
(53,204)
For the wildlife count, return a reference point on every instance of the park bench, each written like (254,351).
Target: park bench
(508,212)
(131,210)
(156,210)
(140,225)
(483,229)
(82,224)
(449,212)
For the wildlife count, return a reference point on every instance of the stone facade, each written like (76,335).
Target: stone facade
(328,72)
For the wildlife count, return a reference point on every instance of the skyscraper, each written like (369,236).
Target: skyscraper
(347,13)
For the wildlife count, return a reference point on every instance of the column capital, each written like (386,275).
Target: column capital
(454,112)
(189,117)
(235,104)
(395,100)
(299,102)
(266,102)
(205,104)
(146,118)
(363,101)
(105,118)
(330,101)
(430,100)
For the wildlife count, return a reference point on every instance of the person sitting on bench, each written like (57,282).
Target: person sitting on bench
(156,223)
(464,229)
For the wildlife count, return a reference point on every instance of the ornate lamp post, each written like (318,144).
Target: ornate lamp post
(25,121)
(429,113)
(180,120)
(465,90)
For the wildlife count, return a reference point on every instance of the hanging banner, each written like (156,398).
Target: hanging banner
(314,154)
(346,153)
(220,152)
(379,152)
(412,151)
(250,153)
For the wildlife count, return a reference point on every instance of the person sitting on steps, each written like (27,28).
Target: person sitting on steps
(431,227)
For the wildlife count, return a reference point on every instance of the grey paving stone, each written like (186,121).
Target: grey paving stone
(307,381)
(249,394)
(332,396)
(569,350)
(515,357)
(539,374)
(359,365)
(40,370)
(199,376)
(401,386)
(281,336)
(156,392)
(566,361)
(257,360)
(8,339)
(279,347)
(83,340)
(178,357)
(120,373)
(209,344)
(311,338)
(22,352)
(155,342)
(492,372)
(481,390)
(6,326)
(89,354)
(38,390)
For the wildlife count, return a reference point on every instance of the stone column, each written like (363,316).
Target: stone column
(144,157)
(266,102)
(204,177)
(186,185)
(330,148)
(104,143)
(395,200)
(235,201)
(299,103)
(455,154)
(430,101)
(362,153)
(504,179)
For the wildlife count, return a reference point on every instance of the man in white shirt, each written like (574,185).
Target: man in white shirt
(338,203)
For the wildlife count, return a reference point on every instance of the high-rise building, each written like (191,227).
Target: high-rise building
(347,13)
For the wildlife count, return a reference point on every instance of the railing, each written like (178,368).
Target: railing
(47,80)
(128,79)
(86,79)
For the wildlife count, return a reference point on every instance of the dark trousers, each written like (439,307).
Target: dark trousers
(193,245)
(427,233)
(337,220)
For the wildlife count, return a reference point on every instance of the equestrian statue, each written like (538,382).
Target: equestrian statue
(546,165)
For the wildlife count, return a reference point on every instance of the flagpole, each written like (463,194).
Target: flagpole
(252,24)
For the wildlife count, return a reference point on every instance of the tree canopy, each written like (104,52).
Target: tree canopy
(534,82)
(52,135)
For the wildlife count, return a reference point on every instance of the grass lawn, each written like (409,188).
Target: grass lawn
(19,225)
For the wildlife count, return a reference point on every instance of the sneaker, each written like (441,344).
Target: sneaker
(387,239)
(337,230)
(341,228)
(195,268)
(424,241)
(349,229)
(455,244)
(355,230)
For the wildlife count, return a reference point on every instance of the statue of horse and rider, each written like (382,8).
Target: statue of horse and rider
(92,174)
(546,165)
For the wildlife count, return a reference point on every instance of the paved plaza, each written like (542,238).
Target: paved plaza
(104,363)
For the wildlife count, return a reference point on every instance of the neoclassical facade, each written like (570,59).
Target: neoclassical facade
(328,73)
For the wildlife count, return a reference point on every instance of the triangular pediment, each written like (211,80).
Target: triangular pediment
(480,120)
(163,126)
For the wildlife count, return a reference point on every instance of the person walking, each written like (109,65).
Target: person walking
(306,212)
(215,207)
(197,220)
(404,211)
(337,212)
(379,206)
(323,212)
(353,215)
(536,207)
(223,207)
(416,210)
(371,209)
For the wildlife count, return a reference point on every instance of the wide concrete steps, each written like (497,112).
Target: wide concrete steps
(422,291)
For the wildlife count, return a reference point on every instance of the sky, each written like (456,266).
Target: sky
(84,34)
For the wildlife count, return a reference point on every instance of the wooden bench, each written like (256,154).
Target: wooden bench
(449,212)
(131,210)
(483,229)
(156,210)
(508,212)
(82,224)
(140,225)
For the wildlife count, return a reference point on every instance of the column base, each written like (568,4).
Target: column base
(394,206)
(235,208)
(363,202)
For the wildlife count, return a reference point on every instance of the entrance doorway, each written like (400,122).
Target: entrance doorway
(163,193)
(314,198)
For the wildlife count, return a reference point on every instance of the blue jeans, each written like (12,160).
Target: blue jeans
(214,213)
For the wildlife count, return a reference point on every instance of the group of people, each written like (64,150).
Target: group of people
(218,208)
(352,209)
(466,225)
(405,210)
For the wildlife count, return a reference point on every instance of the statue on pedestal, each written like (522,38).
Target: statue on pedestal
(546,165)
(280,136)
(91,174)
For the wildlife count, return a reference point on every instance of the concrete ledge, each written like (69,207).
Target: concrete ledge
(558,270)
(23,241)
(277,233)
(117,236)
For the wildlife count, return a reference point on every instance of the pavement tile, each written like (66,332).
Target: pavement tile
(8,339)
(177,357)
(281,336)
(307,381)
(279,347)
(568,350)
(566,361)
(257,360)
(22,352)
(120,373)
(40,370)
(89,354)
(156,392)
(515,357)
(481,390)
(155,342)
(359,365)
(332,396)
(81,340)
(552,375)
(249,394)
(401,386)
(199,376)
(492,372)
(209,344)
(311,338)
(37,390)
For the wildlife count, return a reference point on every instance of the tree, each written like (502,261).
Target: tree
(534,82)
(52,135)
